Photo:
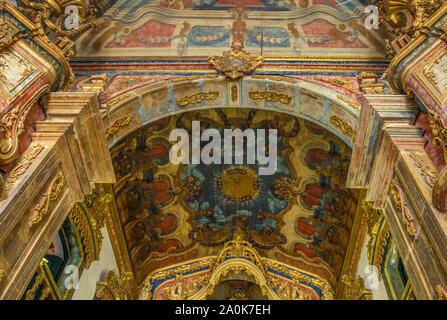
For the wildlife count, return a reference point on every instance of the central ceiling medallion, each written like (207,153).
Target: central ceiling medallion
(239,184)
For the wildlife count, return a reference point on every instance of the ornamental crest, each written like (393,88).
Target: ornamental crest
(236,63)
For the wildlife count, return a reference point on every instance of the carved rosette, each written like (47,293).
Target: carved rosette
(236,63)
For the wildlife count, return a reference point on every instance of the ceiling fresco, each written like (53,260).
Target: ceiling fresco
(171,213)
(184,28)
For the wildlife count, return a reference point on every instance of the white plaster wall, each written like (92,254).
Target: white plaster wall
(380,293)
(89,277)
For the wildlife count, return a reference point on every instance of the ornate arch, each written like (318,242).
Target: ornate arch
(276,281)
(130,110)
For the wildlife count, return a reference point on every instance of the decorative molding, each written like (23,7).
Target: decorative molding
(121,122)
(407,218)
(269,96)
(236,63)
(52,194)
(422,161)
(344,126)
(198,98)
(2,275)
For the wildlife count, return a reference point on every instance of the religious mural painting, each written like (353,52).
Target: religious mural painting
(168,209)
(354,91)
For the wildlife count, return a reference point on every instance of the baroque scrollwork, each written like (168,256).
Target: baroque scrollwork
(369,83)
(269,96)
(23,165)
(423,162)
(117,124)
(51,195)
(353,103)
(400,204)
(344,126)
(197,98)
(439,131)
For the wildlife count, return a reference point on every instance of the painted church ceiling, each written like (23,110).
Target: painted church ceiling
(172,213)
(185,28)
